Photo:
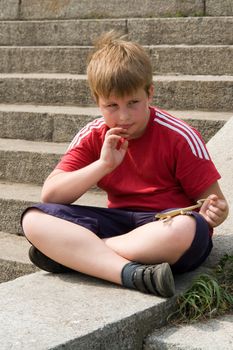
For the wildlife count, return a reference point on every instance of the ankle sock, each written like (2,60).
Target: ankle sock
(127,274)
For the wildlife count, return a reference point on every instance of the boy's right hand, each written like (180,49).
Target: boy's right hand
(114,148)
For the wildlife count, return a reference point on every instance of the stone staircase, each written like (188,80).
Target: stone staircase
(44,97)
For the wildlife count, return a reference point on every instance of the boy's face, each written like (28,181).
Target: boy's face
(131,113)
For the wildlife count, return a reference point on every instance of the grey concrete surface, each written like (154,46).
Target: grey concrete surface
(64,9)
(221,149)
(9,9)
(192,59)
(166,59)
(217,8)
(205,92)
(169,31)
(68,32)
(31,9)
(10,270)
(213,334)
(44,311)
(44,123)
(14,248)
(188,31)
(27,161)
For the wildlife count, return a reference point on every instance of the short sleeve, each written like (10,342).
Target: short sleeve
(195,170)
(85,147)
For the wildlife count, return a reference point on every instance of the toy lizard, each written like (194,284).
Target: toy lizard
(165,216)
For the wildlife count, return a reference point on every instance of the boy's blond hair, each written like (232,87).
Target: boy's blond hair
(118,67)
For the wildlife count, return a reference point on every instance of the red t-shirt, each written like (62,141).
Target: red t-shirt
(167,167)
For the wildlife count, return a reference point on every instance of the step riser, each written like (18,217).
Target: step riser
(170,94)
(63,9)
(217,60)
(41,127)
(203,95)
(11,211)
(26,167)
(31,9)
(43,60)
(219,8)
(63,127)
(172,31)
(56,32)
(192,60)
(190,31)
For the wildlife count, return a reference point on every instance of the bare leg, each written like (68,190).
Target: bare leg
(156,242)
(78,248)
(73,246)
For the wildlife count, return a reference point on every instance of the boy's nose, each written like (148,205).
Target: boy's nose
(123,115)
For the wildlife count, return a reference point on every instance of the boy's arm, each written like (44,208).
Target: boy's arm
(215,208)
(66,187)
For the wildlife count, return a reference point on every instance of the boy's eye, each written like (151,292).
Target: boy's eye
(111,105)
(133,102)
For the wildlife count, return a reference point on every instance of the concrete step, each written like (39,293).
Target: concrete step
(14,248)
(215,334)
(96,314)
(31,9)
(217,8)
(169,31)
(28,161)
(76,311)
(189,31)
(44,123)
(60,123)
(67,32)
(166,59)
(16,197)
(205,92)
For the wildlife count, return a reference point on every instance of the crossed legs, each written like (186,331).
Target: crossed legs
(79,249)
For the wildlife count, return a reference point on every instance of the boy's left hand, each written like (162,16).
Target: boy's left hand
(214,210)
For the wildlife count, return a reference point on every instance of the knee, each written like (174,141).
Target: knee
(29,223)
(183,232)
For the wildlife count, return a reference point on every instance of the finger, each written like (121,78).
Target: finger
(118,131)
(221,204)
(113,139)
(211,221)
(205,205)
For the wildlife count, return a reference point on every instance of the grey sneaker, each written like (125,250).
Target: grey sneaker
(45,263)
(156,279)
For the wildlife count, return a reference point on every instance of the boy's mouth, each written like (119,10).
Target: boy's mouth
(126,126)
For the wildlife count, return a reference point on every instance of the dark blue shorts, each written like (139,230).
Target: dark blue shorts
(108,222)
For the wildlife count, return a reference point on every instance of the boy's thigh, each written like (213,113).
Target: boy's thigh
(199,249)
(104,222)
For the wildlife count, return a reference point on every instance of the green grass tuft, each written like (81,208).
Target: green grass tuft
(210,295)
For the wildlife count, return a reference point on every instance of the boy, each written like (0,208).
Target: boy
(147,161)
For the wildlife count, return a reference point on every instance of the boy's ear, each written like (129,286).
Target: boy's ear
(151,92)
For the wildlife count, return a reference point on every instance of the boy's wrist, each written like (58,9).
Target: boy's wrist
(105,167)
